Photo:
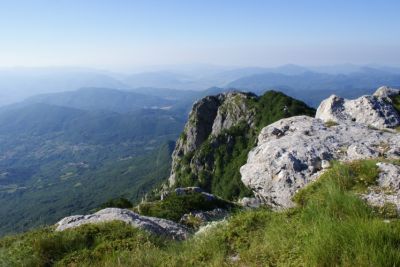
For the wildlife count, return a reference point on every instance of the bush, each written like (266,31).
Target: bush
(174,206)
(120,202)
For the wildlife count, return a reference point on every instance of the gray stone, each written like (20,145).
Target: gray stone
(386,92)
(375,111)
(153,225)
(250,202)
(292,152)
(205,216)
(388,188)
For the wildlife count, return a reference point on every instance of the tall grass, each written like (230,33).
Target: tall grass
(330,227)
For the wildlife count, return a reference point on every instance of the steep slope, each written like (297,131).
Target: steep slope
(218,135)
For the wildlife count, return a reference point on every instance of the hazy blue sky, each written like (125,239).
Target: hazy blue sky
(111,33)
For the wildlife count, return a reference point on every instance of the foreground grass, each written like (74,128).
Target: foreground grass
(330,227)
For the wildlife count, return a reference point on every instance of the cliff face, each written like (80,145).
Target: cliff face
(218,136)
(208,118)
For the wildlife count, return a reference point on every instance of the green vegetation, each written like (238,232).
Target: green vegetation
(396,102)
(330,123)
(120,202)
(222,156)
(58,161)
(330,227)
(174,206)
(48,198)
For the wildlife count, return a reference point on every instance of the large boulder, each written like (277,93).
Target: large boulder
(292,152)
(376,110)
(153,225)
(386,92)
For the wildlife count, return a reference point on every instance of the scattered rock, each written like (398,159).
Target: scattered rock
(325,164)
(250,202)
(203,217)
(206,228)
(292,152)
(388,189)
(153,225)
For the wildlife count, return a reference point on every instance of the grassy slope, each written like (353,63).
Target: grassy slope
(330,227)
(224,178)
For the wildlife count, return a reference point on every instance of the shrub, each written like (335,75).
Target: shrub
(120,202)
(174,206)
(331,123)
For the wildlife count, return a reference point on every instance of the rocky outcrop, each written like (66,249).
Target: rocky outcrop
(292,152)
(209,117)
(203,217)
(386,92)
(153,225)
(250,202)
(387,191)
(376,110)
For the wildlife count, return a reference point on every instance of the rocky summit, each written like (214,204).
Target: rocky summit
(292,152)
(209,117)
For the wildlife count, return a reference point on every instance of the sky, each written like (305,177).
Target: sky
(116,34)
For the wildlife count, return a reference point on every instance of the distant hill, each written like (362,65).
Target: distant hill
(17,84)
(312,87)
(103,99)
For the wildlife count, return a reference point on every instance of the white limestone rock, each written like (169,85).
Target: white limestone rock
(153,225)
(292,152)
(376,110)
(386,92)
(388,188)
(250,202)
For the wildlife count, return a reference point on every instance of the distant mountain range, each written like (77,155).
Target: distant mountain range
(20,83)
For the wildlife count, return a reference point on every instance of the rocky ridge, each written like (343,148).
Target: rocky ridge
(292,152)
(209,117)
